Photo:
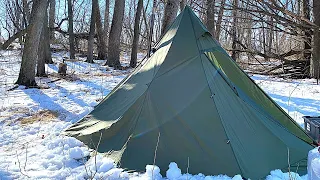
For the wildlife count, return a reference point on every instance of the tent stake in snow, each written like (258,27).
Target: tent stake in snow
(151,27)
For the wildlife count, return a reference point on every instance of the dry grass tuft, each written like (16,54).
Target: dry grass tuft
(45,115)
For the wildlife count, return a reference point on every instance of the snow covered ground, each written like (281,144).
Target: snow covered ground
(297,97)
(34,149)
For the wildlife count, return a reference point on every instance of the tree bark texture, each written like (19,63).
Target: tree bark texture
(30,51)
(307,33)
(44,53)
(92,32)
(41,55)
(70,30)
(114,36)
(106,23)
(52,15)
(219,22)
(170,13)
(315,61)
(182,4)
(47,49)
(235,53)
(102,53)
(26,13)
(136,31)
(18,14)
(210,17)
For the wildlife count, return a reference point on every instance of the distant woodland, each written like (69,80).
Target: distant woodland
(283,34)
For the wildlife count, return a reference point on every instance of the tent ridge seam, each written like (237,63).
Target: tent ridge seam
(212,98)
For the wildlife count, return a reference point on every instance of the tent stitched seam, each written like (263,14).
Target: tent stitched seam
(220,118)
(143,62)
(211,92)
(178,65)
(173,38)
(269,118)
(269,98)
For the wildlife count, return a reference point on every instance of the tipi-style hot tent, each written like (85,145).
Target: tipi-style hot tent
(192,102)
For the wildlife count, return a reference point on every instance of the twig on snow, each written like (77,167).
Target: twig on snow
(20,165)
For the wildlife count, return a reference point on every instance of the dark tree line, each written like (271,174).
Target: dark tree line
(284,30)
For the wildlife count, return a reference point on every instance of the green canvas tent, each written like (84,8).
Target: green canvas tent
(193,103)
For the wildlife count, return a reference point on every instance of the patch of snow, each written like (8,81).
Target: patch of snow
(77,153)
(314,164)
(106,165)
(152,172)
(279,175)
(173,172)
(296,97)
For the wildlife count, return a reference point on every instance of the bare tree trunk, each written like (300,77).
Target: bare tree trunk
(277,48)
(47,49)
(70,30)
(315,61)
(30,51)
(210,17)
(270,36)
(248,34)
(136,30)
(26,13)
(264,41)
(307,33)
(182,4)
(170,13)
(115,33)
(41,55)
(235,54)
(18,14)
(52,15)
(106,23)
(219,22)
(101,40)
(92,32)
(44,53)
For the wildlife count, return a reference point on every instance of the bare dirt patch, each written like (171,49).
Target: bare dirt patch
(68,77)
(45,115)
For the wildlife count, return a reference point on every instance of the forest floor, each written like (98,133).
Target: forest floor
(31,120)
